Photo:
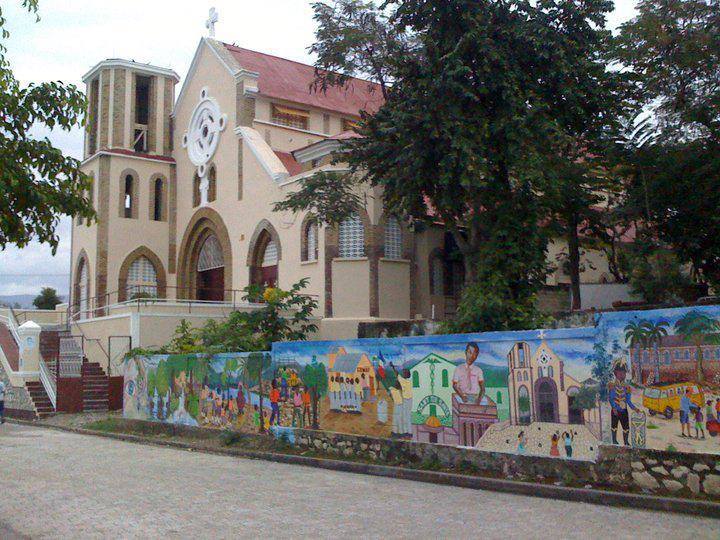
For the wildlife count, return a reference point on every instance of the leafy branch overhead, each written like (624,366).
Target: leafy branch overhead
(37,181)
(331,196)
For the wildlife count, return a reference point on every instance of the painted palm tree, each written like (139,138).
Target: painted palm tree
(698,329)
(654,332)
(636,338)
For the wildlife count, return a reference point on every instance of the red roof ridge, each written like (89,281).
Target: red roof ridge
(230,45)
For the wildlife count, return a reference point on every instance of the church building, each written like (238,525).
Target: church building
(184,183)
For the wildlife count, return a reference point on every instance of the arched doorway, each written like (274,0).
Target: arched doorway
(524,405)
(204,265)
(547,400)
(264,256)
(575,414)
(210,283)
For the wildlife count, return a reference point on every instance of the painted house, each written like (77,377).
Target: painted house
(677,359)
(352,365)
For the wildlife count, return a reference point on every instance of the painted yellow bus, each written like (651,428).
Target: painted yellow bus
(664,398)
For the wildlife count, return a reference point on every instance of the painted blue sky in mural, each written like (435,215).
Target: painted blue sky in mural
(571,345)
(611,325)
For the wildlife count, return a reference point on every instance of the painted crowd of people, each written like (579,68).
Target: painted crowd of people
(347,393)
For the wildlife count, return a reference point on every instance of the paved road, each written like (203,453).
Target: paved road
(57,484)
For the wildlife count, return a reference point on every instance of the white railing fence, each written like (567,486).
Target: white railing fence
(47,378)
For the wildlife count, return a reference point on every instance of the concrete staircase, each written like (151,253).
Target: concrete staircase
(9,347)
(43,405)
(95,388)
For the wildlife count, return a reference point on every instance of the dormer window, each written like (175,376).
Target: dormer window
(287,116)
(350,125)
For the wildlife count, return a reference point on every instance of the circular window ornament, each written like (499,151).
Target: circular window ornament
(203,135)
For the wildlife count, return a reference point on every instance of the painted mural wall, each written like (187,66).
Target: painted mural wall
(673,359)
(643,379)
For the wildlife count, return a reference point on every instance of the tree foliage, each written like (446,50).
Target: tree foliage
(47,299)
(510,84)
(673,49)
(37,181)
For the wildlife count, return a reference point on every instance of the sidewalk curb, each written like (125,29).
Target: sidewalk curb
(572,494)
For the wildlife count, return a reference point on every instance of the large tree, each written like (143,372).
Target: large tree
(38,182)
(463,134)
(673,47)
(47,299)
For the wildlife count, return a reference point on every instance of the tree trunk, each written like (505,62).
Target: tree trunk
(574,262)
(657,363)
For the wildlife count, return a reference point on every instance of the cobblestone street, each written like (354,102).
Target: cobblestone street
(57,484)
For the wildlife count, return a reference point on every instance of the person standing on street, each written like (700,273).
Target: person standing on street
(2,402)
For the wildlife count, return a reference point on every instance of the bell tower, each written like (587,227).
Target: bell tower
(129,107)
(129,249)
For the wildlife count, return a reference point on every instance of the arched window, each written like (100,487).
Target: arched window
(83,290)
(437,275)
(521,355)
(128,197)
(352,238)
(196,190)
(158,200)
(527,377)
(212,184)
(550,371)
(393,239)
(310,241)
(445,379)
(416,379)
(142,279)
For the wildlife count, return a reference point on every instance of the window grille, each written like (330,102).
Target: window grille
(142,278)
(211,255)
(352,237)
(393,239)
(270,258)
(437,276)
(311,241)
(83,286)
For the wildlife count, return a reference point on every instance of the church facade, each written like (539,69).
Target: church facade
(185,179)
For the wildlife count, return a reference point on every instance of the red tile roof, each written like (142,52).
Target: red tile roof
(291,81)
(290,163)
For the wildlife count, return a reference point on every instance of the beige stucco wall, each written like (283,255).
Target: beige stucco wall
(350,288)
(128,234)
(394,289)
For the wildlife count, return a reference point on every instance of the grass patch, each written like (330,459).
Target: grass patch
(652,426)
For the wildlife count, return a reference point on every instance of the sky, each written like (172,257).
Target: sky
(72,36)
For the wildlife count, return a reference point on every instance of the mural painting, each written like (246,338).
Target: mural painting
(640,379)
(193,390)
(673,377)
(530,392)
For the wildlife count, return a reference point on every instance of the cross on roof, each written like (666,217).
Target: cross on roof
(212,20)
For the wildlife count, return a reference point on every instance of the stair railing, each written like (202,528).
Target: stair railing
(49,382)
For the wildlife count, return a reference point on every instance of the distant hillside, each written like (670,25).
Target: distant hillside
(25,300)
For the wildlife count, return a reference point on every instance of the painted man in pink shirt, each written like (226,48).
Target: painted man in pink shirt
(468,381)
